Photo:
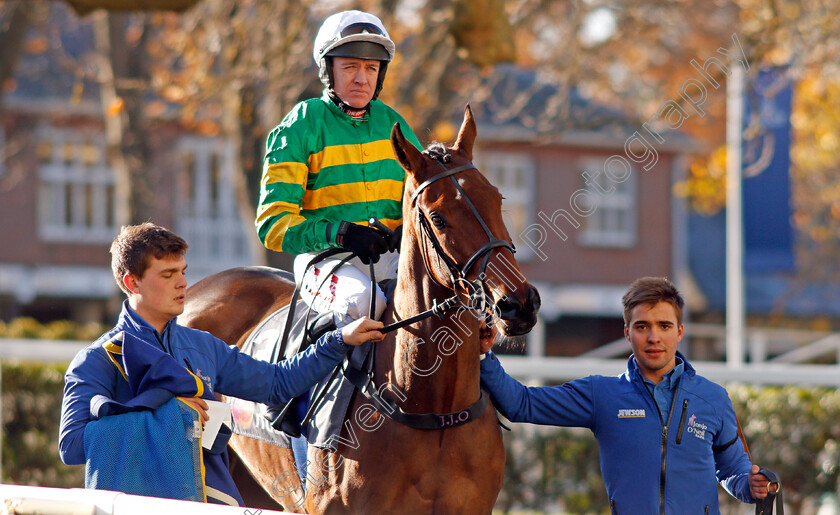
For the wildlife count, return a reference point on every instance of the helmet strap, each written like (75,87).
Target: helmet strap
(380,79)
(347,108)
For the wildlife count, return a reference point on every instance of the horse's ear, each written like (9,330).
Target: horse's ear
(466,136)
(407,155)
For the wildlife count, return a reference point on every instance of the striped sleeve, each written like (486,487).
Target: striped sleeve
(321,167)
(279,222)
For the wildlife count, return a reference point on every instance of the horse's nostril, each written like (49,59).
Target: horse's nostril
(508,307)
(534,300)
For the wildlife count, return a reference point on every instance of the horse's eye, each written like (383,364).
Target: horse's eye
(439,221)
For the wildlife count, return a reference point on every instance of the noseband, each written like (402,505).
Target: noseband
(458,274)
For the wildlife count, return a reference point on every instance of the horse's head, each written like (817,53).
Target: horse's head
(455,215)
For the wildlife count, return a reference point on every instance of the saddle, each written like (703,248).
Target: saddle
(267,343)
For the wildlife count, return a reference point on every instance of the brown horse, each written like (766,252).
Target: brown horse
(455,246)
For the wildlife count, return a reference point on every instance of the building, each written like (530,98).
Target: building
(58,194)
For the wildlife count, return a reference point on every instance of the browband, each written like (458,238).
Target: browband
(447,173)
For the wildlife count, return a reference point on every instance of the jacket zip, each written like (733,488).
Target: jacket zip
(612,507)
(681,429)
(664,441)
(707,509)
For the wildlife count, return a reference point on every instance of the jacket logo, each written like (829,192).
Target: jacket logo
(696,428)
(631,413)
(204,378)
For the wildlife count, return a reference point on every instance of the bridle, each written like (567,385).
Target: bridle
(457,274)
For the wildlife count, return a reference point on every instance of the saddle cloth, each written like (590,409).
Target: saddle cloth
(264,344)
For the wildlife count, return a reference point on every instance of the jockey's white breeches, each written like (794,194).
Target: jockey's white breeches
(345,291)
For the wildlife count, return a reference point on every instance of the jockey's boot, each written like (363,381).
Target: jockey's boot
(288,417)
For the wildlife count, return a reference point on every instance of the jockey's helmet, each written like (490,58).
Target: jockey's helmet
(353,34)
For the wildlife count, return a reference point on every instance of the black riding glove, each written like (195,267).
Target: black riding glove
(365,242)
(395,239)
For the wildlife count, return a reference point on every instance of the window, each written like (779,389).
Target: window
(207,213)
(514,174)
(613,219)
(76,187)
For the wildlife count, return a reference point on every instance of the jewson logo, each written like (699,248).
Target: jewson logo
(631,413)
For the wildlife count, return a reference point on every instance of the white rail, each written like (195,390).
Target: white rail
(30,500)
(551,369)
(792,348)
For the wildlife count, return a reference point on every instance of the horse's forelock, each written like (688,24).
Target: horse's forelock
(438,152)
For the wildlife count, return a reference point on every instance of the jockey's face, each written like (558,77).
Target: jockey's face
(653,332)
(158,296)
(354,80)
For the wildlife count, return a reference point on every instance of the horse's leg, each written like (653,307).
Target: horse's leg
(272,467)
(253,494)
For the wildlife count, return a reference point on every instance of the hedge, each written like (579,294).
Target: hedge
(31,409)
(26,327)
(793,430)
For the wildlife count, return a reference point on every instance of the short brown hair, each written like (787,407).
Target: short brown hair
(652,290)
(135,245)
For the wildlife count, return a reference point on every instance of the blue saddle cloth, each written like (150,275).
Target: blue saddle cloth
(149,452)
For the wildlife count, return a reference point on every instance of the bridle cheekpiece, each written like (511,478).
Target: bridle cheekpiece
(457,273)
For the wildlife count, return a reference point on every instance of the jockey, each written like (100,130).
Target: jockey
(329,168)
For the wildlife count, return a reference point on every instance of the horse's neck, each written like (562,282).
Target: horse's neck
(435,362)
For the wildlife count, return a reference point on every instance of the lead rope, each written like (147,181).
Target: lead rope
(774,497)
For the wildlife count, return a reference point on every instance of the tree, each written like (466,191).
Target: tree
(233,69)
(16,17)
(124,83)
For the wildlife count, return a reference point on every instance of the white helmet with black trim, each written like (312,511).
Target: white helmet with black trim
(354,34)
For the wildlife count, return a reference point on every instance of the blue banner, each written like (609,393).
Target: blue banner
(768,233)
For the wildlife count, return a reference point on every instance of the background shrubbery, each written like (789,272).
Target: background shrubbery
(26,327)
(31,407)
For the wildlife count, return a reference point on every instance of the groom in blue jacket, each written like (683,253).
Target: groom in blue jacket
(664,433)
(149,265)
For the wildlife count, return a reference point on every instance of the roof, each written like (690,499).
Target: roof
(515,103)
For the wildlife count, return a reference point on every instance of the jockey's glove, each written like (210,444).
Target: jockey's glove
(365,242)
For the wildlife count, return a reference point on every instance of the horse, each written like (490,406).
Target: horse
(421,442)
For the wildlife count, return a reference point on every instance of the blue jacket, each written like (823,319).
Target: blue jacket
(649,465)
(222,368)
